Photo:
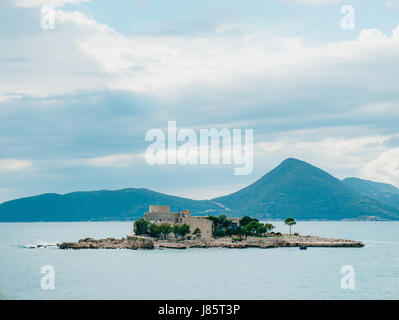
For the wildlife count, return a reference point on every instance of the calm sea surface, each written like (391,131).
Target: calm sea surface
(281,273)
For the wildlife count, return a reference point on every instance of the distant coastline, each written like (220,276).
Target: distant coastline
(294,188)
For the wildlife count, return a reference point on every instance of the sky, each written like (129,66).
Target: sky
(77,100)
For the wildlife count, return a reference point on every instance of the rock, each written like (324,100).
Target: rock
(139,242)
(131,242)
(170,245)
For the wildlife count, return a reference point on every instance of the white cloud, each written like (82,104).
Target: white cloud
(82,54)
(393,3)
(273,80)
(50,62)
(385,168)
(168,66)
(108,161)
(342,155)
(84,22)
(371,35)
(314,2)
(116,160)
(14,164)
(53,3)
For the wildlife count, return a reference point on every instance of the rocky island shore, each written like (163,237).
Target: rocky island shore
(139,242)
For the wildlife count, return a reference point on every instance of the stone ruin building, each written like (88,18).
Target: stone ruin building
(161,214)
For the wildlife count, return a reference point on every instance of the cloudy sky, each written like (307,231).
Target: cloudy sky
(76,101)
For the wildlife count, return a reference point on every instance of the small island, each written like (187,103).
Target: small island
(160,228)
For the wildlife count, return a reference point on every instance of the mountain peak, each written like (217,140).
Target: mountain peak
(295,167)
(298,189)
(293,161)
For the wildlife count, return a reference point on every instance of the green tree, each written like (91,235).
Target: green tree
(224,222)
(241,231)
(176,230)
(248,226)
(141,226)
(197,232)
(181,230)
(184,230)
(154,230)
(290,222)
(164,230)
(221,225)
(245,220)
(260,230)
(253,227)
(269,227)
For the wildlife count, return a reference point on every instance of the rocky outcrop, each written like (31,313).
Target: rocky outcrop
(297,241)
(130,242)
(312,241)
(137,242)
(260,242)
(170,245)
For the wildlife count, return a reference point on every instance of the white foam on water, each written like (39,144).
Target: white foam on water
(41,244)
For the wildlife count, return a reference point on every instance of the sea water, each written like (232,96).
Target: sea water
(213,273)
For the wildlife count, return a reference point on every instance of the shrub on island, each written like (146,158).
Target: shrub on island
(162,231)
(222,227)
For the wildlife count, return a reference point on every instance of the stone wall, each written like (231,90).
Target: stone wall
(160,209)
(203,223)
(162,214)
(158,217)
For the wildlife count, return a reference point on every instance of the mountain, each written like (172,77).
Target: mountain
(103,205)
(294,188)
(382,192)
(300,190)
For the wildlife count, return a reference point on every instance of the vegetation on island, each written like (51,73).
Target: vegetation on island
(223,226)
(161,231)
(141,226)
(197,232)
(290,222)
(181,230)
